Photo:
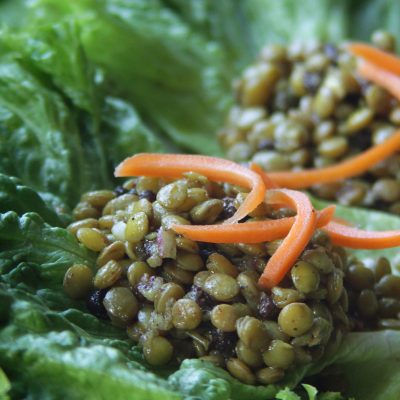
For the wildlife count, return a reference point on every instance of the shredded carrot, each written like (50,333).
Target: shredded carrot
(345,169)
(380,58)
(296,240)
(248,232)
(216,169)
(342,221)
(381,77)
(347,236)
(268,182)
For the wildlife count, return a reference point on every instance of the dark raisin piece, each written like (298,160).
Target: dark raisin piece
(95,303)
(206,249)
(267,308)
(145,249)
(331,51)
(229,208)
(148,194)
(203,299)
(223,342)
(266,144)
(120,190)
(311,81)
(361,140)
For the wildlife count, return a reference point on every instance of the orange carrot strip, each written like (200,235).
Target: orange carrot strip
(345,169)
(216,169)
(381,77)
(297,239)
(342,221)
(268,182)
(248,232)
(347,236)
(380,58)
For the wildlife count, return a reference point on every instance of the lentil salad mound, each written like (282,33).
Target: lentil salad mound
(304,106)
(182,299)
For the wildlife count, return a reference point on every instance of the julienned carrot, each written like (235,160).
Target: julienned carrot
(268,182)
(248,232)
(296,240)
(380,58)
(381,77)
(216,169)
(347,236)
(345,169)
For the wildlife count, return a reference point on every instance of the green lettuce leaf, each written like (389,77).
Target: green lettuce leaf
(368,363)
(56,122)
(29,239)
(5,386)
(52,357)
(185,95)
(19,198)
(84,84)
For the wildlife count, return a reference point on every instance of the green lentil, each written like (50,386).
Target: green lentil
(279,355)
(186,314)
(267,376)
(220,264)
(295,319)
(221,287)
(91,238)
(189,261)
(78,281)
(173,195)
(223,317)
(157,350)
(252,333)
(206,212)
(240,371)
(108,274)
(305,277)
(121,305)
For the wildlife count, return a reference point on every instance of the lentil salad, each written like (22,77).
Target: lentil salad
(86,84)
(182,299)
(304,105)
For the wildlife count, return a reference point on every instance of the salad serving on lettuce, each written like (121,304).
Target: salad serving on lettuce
(84,256)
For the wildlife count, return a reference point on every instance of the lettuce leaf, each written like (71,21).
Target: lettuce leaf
(368,363)
(55,119)
(85,84)
(19,198)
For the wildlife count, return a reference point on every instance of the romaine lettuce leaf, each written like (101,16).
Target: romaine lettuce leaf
(22,199)
(56,122)
(51,357)
(86,83)
(368,363)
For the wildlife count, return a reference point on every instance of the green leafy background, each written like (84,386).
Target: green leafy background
(85,83)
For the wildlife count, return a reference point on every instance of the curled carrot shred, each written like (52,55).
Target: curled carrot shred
(345,169)
(296,240)
(348,236)
(248,232)
(380,58)
(381,77)
(215,169)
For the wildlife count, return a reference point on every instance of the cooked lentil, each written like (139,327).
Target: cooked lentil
(179,299)
(315,112)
